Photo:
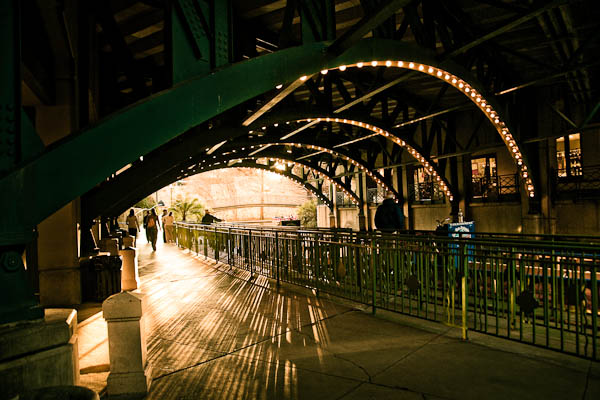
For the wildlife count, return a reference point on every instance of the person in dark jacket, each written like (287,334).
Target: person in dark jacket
(209,219)
(389,216)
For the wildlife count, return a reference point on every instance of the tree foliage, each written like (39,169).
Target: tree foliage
(188,208)
(147,202)
(307,213)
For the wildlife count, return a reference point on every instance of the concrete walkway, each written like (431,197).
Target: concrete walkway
(219,334)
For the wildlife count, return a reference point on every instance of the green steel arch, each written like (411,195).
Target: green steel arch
(76,164)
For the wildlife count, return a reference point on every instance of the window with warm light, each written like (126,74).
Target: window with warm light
(484,176)
(424,187)
(568,156)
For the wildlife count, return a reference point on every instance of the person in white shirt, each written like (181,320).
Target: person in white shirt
(169,227)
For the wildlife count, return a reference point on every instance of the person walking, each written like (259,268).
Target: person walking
(389,217)
(152,229)
(132,224)
(208,219)
(169,227)
(145,224)
(162,219)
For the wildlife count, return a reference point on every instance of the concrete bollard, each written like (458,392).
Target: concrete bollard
(128,241)
(130,373)
(110,245)
(129,271)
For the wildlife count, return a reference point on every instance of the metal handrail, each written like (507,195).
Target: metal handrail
(540,292)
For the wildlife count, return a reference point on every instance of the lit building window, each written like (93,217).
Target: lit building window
(484,176)
(487,185)
(424,188)
(568,156)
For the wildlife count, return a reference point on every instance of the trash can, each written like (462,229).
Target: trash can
(100,277)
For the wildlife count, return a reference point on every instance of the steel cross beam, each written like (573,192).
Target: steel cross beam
(344,42)
(533,14)
(365,25)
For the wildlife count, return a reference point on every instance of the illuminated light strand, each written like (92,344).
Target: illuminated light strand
(472,94)
(428,168)
(362,167)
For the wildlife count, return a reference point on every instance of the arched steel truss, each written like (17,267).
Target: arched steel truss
(70,168)
(191,167)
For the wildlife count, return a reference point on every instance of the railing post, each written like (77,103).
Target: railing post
(229,246)
(464,307)
(250,252)
(277,256)
(373,278)
(216,245)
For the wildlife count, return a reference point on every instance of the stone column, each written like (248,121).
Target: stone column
(58,250)
(130,372)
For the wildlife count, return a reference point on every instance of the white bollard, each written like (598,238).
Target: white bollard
(130,373)
(129,270)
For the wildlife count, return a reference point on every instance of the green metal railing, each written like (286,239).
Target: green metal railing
(543,292)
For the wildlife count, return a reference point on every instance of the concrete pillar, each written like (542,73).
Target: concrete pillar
(130,372)
(129,271)
(363,211)
(39,354)
(333,213)
(58,255)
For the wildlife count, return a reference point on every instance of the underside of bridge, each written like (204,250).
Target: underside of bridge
(484,106)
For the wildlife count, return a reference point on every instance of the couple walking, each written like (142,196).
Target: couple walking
(152,225)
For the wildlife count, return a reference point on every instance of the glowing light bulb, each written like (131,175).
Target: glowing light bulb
(359,65)
(342,67)
(388,63)
(411,65)
(303,78)
(279,86)
(461,85)
(421,67)
(400,63)
(374,63)
(430,70)
(324,71)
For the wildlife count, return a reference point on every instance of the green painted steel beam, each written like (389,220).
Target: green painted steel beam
(82,160)
(10,85)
